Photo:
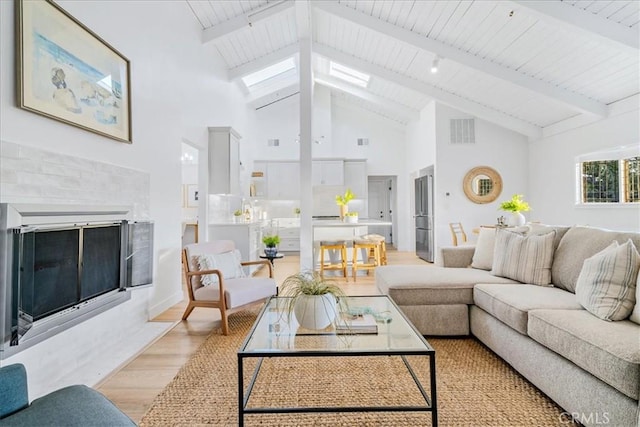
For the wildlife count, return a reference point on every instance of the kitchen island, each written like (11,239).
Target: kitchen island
(334,229)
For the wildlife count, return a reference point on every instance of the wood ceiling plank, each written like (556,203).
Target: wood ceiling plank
(448,13)
(406,11)
(233,23)
(455,101)
(198,9)
(445,33)
(475,17)
(588,23)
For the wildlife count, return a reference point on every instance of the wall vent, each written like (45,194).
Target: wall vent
(363,141)
(463,131)
(273,142)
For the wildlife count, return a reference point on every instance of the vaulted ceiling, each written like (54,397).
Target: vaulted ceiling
(525,65)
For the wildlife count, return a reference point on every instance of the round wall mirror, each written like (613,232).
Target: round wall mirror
(482,184)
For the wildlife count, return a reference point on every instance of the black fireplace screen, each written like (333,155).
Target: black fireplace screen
(61,268)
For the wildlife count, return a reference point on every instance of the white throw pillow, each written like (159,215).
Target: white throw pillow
(635,315)
(227,262)
(606,286)
(527,259)
(483,254)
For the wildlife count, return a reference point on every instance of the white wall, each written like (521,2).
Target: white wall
(552,164)
(385,153)
(420,153)
(174,96)
(503,150)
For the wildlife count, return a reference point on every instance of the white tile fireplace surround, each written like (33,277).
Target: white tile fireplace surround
(89,351)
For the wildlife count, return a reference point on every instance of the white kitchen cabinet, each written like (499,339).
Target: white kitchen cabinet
(224,161)
(327,172)
(289,239)
(283,180)
(247,237)
(355,177)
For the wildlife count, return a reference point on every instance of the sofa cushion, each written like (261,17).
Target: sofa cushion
(238,291)
(526,259)
(578,244)
(606,285)
(73,406)
(540,229)
(483,255)
(609,351)
(425,285)
(635,314)
(512,303)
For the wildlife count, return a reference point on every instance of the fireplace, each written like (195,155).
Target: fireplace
(62,265)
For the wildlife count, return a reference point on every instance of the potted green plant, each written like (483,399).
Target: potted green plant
(343,200)
(515,205)
(271,243)
(237,214)
(351,217)
(312,299)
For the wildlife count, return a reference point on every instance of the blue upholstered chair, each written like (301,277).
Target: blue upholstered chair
(76,405)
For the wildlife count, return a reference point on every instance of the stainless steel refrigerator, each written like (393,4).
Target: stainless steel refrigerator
(424,216)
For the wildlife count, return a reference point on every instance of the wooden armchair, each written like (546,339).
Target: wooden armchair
(228,294)
(457,233)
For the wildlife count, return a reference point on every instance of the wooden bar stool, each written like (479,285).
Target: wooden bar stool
(382,249)
(368,263)
(333,263)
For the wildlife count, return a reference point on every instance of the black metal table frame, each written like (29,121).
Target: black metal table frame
(243,399)
(271,258)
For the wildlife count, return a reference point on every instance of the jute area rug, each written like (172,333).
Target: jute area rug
(474,388)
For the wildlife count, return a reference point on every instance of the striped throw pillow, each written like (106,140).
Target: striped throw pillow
(526,259)
(606,286)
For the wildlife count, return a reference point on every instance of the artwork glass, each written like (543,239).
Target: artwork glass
(68,73)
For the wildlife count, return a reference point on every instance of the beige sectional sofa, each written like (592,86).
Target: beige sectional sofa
(589,366)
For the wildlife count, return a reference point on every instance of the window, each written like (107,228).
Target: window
(631,169)
(269,72)
(348,74)
(610,181)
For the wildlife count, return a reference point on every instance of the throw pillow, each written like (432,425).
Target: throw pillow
(483,255)
(606,286)
(635,314)
(227,262)
(526,259)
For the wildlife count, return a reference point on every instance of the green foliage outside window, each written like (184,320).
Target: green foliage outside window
(600,182)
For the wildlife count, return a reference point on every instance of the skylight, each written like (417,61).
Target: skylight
(348,74)
(269,72)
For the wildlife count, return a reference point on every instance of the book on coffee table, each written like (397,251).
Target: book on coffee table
(356,324)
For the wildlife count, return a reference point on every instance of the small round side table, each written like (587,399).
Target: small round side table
(272,257)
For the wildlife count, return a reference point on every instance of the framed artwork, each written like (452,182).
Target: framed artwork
(66,72)
(192,196)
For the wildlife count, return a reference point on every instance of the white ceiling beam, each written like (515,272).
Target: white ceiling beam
(448,98)
(262,62)
(274,96)
(243,21)
(586,22)
(571,99)
(386,103)
(303,19)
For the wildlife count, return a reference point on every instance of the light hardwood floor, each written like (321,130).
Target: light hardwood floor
(135,385)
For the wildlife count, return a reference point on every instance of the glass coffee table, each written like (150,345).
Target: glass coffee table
(275,334)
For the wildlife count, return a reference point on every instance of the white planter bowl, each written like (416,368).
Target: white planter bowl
(350,219)
(315,311)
